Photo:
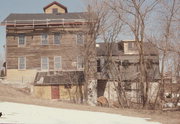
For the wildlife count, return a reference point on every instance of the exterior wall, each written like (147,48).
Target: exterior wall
(127,51)
(49,10)
(43,92)
(110,91)
(33,51)
(71,94)
(24,76)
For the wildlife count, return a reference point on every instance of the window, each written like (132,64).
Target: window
(80,38)
(57,38)
(80,62)
(130,45)
(127,86)
(99,65)
(57,63)
(22,63)
(21,41)
(44,63)
(54,10)
(44,38)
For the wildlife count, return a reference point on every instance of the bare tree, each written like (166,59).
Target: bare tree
(134,14)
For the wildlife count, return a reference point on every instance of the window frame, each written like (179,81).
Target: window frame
(59,38)
(59,62)
(21,45)
(19,63)
(80,68)
(42,39)
(83,37)
(47,63)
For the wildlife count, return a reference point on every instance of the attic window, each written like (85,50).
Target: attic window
(130,45)
(54,10)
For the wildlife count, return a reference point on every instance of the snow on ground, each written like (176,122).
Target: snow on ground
(33,114)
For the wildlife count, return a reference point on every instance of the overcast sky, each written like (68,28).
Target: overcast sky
(30,6)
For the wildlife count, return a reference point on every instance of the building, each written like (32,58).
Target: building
(51,42)
(120,62)
(48,50)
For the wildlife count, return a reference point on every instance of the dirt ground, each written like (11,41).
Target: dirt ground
(10,94)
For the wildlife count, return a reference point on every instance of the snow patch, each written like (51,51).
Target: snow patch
(33,114)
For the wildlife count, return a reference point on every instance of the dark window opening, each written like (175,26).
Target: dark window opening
(67,86)
(127,86)
(125,63)
(99,65)
(120,47)
(149,64)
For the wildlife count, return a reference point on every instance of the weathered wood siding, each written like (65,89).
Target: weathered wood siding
(33,50)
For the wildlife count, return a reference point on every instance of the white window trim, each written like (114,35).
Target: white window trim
(47,64)
(19,63)
(24,41)
(77,64)
(54,40)
(77,39)
(60,63)
(47,39)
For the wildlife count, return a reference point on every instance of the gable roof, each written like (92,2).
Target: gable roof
(58,4)
(41,18)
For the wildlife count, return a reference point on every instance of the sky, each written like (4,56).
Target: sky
(30,6)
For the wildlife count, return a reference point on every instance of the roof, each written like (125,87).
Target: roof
(59,78)
(117,49)
(58,4)
(43,18)
(104,48)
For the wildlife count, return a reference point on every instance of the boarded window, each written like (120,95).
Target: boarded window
(57,63)
(44,39)
(57,38)
(44,63)
(21,41)
(22,63)
(80,39)
(80,62)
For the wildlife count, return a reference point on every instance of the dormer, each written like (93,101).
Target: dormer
(54,8)
(130,47)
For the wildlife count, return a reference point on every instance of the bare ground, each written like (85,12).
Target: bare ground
(10,94)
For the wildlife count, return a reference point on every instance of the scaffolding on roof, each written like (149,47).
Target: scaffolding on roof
(46,22)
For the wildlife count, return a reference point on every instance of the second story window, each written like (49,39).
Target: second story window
(22,40)
(80,38)
(22,63)
(57,38)
(80,62)
(44,39)
(44,63)
(131,45)
(57,63)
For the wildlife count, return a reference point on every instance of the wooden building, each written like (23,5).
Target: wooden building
(120,62)
(52,42)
